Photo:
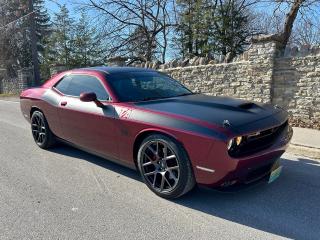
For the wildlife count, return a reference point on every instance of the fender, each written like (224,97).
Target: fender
(156,130)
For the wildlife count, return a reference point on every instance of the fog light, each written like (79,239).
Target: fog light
(228,183)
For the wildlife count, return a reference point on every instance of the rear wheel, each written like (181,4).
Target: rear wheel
(41,132)
(165,166)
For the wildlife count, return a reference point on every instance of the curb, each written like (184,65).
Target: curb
(301,150)
(10,99)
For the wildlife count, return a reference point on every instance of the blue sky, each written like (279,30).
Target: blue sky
(52,6)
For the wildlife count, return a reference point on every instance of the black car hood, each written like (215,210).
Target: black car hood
(243,116)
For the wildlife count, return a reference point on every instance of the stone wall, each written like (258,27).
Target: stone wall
(10,86)
(291,82)
(296,84)
(14,85)
(246,79)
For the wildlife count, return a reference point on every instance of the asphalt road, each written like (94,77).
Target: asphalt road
(68,194)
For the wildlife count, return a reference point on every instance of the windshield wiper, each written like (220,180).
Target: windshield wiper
(186,94)
(164,97)
(150,98)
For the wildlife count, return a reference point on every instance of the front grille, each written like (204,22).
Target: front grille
(257,142)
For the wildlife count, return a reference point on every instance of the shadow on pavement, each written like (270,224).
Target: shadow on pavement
(76,153)
(289,207)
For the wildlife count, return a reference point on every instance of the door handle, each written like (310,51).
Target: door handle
(64,103)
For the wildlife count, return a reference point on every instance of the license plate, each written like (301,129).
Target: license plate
(275,174)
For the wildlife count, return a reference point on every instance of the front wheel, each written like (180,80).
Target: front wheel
(165,166)
(41,132)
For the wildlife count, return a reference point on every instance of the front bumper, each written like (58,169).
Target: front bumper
(230,171)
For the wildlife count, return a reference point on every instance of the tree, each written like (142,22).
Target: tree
(214,27)
(123,20)
(295,9)
(87,44)
(16,19)
(38,27)
(137,44)
(11,16)
(306,32)
(291,16)
(194,26)
(60,42)
(231,27)
(72,43)
(43,25)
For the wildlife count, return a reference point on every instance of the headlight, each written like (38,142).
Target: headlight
(230,144)
(235,141)
(238,140)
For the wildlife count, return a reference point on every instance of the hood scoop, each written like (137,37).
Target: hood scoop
(248,105)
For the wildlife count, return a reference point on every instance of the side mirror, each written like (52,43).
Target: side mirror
(90,97)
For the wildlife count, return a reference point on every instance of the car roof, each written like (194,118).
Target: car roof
(102,69)
(113,70)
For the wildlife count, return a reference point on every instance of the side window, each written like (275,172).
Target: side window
(63,85)
(78,84)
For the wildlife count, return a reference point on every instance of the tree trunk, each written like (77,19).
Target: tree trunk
(283,37)
(288,25)
(34,50)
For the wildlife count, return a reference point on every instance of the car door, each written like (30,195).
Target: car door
(84,123)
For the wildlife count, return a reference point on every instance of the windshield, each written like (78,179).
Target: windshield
(143,86)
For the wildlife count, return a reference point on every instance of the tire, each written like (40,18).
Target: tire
(41,132)
(165,167)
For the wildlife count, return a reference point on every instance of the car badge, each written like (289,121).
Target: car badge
(226,123)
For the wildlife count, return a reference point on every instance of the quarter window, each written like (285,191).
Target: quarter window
(63,85)
(74,85)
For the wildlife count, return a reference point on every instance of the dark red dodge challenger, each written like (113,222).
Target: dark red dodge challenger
(144,119)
